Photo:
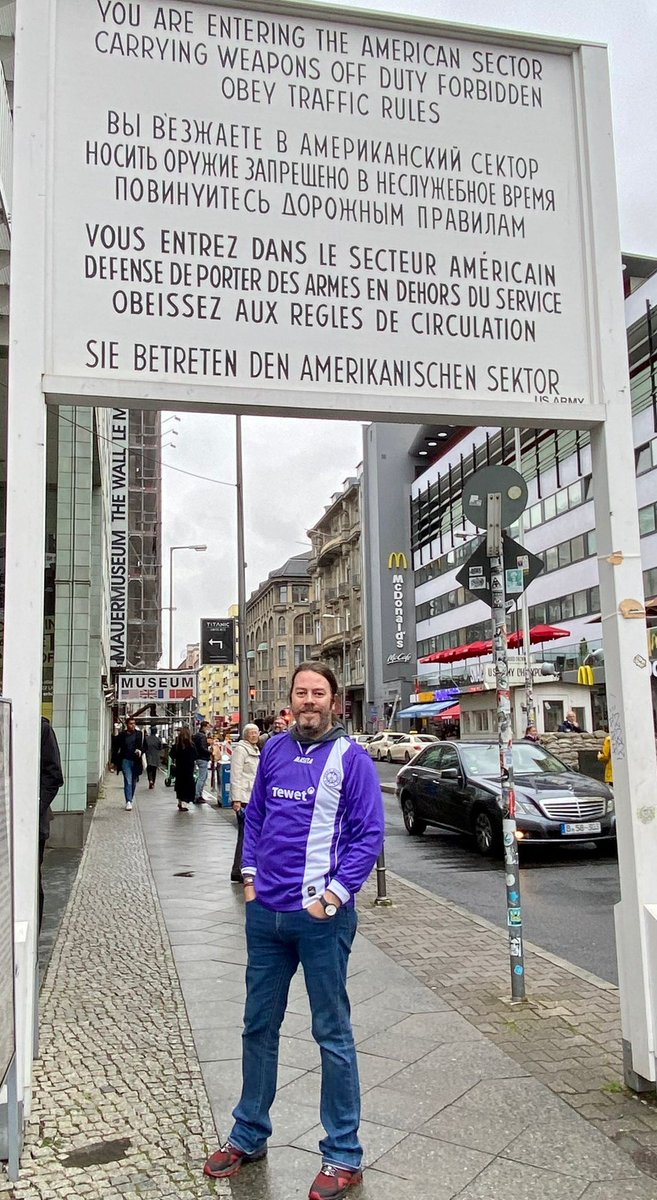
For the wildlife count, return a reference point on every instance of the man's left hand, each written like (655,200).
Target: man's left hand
(316,909)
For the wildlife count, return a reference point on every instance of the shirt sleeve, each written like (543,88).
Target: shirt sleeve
(365,825)
(254,820)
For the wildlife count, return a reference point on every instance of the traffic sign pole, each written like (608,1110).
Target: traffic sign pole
(495,551)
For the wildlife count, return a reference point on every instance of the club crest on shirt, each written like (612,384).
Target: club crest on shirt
(331,777)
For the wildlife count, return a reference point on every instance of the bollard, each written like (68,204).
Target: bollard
(382,899)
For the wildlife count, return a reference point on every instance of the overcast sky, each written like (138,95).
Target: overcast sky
(291,468)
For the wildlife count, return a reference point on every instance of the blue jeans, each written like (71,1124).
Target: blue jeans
(131,774)
(276,944)
(201,778)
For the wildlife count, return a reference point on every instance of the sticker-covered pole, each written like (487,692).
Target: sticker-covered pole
(495,551)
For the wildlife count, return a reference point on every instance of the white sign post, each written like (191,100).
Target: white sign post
(317,212)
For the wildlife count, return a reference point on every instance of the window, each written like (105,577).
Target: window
(643,458)
(549,508)
(647,520)
(281,627)
(282,656)
(552,715)
(430,758)
(299,593)
(299,655)
(562,501)
(449,758)
(282,593)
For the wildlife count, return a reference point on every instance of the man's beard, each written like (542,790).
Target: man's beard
(320,724)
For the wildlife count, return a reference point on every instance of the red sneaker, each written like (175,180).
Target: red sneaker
(228,1160)
(333,1182)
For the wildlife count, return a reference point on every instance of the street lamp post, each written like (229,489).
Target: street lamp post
(171,550)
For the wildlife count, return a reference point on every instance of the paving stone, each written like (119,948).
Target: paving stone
(448,1168)
(576,1147)
(526,1183)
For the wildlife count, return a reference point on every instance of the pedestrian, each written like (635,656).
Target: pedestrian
(265,733)
(215,761)
(50,781)
(604,756)
(243,767)
(203,755)
(184,756)
(570,725)
(129,749)
(153,751)
(532,734)
(313,831)
(279,726)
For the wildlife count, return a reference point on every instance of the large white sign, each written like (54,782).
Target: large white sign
(272,201)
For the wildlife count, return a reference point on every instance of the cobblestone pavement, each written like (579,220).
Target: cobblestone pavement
(568,1034)
(119,1109)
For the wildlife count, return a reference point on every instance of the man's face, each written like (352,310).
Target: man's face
(131,726)
(279,725)
(312,703)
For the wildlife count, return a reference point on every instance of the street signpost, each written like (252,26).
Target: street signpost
(520,568)
(493,498)
(217,641)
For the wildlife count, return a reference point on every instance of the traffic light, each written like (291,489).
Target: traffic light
(252,693)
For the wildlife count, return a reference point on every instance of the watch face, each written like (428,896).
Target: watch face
(330,910)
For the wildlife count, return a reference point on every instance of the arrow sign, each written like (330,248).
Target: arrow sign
(520,567)
(217,641)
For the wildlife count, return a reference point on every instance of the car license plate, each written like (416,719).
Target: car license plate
(581,827)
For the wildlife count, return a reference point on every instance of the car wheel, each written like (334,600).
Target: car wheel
(378,756)
(486,836)
(414,826)
(407,757)
(388,757)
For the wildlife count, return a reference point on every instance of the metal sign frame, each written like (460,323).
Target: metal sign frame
(32,384)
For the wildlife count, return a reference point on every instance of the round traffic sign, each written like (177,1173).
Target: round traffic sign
(489,480)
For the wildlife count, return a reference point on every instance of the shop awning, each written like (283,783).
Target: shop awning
(453,713)
(425,710)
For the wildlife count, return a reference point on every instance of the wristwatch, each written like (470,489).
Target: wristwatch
(248,880)
(329,907)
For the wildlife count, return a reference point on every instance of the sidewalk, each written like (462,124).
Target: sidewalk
(462,1095)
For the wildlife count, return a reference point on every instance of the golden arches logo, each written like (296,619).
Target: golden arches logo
(585,676)
(398,560)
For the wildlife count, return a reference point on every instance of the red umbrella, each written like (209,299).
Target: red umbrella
(457,653)
(537,634)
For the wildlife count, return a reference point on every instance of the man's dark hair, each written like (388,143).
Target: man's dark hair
(320,669)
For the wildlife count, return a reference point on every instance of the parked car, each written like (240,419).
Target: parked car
(456,785)
(408,745)
(361,739)
(378,745)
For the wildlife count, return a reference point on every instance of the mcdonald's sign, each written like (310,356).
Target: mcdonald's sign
(585,676)
(398,560)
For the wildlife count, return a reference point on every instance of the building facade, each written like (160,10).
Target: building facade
(279,633)
(336,599)
(218,687)
(558,526)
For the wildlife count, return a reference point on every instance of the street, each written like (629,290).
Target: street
(567,894)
